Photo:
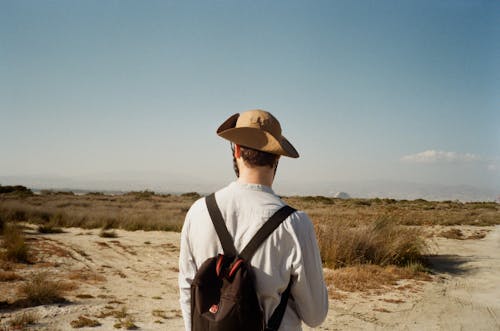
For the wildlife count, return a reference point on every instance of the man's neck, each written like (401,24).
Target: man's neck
(256,175)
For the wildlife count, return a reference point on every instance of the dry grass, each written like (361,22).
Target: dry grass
(84,321)
(149,211)
(350,232)
(371,277)
(452,234)
(458,234)
(107,233)
(382,243)
(159,313)
(9,276)
(124,320)
(16,249)
(131,212)
(21,321)
(49,228)
(40,289)
(403,212)
(86,275)
(84,296)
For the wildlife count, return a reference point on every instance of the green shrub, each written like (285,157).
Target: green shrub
(18,190)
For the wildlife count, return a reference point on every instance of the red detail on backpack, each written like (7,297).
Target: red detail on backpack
(218,267)
(235,267)
(214,309)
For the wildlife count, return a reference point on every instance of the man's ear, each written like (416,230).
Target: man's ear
(237,151)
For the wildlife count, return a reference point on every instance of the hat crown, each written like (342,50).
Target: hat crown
(259,119)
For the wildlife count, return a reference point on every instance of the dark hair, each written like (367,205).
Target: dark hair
(255,158)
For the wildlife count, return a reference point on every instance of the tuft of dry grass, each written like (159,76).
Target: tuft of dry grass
(477,235)
(452,234)
(124,320)
(381,242)
(16,249)
(107,233)
(84,321)
(9,276)
(159,313)
(85,296)
(86,275)
(371,277)
(48,228)
(458,234)
(40,289)
(21,321)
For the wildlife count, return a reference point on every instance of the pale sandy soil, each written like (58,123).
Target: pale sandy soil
(138,270)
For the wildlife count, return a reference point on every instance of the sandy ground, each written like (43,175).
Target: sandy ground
(464,295)
(138,271)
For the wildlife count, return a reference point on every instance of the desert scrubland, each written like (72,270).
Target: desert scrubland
(105,262)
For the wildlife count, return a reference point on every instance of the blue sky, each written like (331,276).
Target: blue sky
(365,90)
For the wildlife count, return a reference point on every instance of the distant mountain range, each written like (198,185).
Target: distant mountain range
(167,183)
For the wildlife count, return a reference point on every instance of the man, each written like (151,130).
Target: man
(290,252)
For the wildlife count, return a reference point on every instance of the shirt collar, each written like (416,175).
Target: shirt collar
(253,187)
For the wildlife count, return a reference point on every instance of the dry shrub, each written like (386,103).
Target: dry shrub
(40,289)
(371,277)
(381,242)
(16,249)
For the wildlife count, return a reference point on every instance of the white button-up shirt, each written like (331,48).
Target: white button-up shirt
(290,251)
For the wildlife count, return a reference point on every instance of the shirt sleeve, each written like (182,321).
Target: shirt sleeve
(187,271)
(309,289)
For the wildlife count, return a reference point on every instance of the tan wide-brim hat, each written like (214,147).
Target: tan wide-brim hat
(257,129)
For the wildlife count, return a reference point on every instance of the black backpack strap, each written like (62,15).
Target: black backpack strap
(264,232)
(275,320)
(220,226)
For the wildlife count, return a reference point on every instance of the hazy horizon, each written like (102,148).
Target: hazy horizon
(165,184)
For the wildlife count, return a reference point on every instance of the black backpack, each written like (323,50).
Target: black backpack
(223,296)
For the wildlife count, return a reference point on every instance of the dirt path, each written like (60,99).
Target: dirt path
(467,297)
(137,271)
(465,294)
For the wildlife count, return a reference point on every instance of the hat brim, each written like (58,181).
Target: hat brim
(257,139)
